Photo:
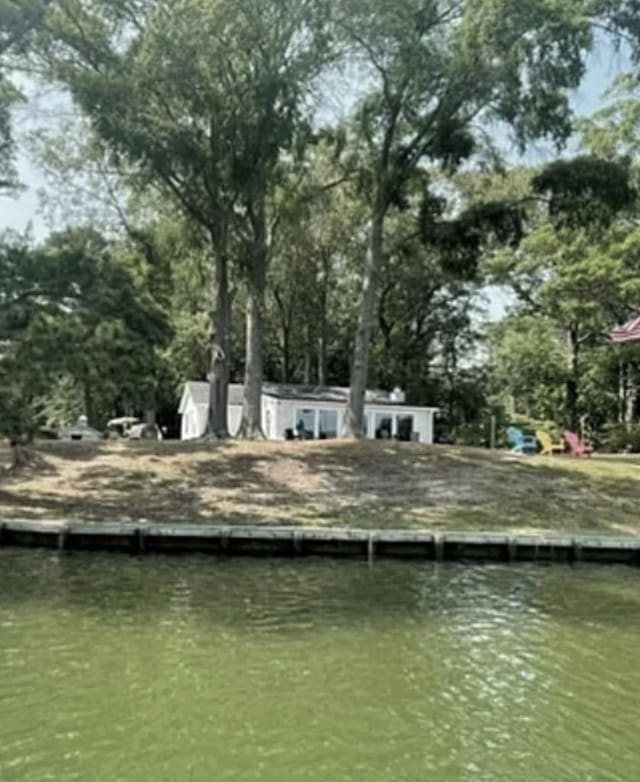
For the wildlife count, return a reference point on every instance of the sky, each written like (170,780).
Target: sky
(44,108)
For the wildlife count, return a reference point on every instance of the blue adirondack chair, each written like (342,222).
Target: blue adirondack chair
(520,442)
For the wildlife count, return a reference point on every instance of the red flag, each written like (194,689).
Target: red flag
(630,332)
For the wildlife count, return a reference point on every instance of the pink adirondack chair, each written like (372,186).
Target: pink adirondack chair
(577,447)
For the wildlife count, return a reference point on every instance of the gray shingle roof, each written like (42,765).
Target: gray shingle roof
(337,394)
(319,393)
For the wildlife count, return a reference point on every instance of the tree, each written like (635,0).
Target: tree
(20,378)
(582,280)
(201,100)
(279,48)
(436,70)
(314,266)
(158,104)
(104,314)
(17,20)
(423,312)
(528,365)
(74,312)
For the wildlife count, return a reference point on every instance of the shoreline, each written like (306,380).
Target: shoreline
(374,487)
(299,542)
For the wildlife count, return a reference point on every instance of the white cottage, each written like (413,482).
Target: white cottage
(311,412)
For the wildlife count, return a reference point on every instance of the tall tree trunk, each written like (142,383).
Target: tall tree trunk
(285,327)
(21,452)
(622,392)
(324,322)
(251,424)
(286,354)
(218,427)
(308,358)
(631,396)
(573,344)
(354,419)
(322,358)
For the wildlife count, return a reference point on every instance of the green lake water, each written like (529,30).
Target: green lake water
(199,670)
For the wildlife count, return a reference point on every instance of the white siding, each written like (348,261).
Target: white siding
(422,426)
(278,415)
(282,414)
(234,414)
(194,420)
(190,426)
(203,415)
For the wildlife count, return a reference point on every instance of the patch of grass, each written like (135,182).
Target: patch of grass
(366,484)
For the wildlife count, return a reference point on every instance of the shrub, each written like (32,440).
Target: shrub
(620,439)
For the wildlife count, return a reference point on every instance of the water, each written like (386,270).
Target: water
(196,670)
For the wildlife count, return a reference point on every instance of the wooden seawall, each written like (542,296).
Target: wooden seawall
(299,542)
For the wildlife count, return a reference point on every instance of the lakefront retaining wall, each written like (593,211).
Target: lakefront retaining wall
(300,541)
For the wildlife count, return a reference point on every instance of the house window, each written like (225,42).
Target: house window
(327,424)
(383,426)
(305,424)
(404,427)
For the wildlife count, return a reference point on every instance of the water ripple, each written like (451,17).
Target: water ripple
(115,668)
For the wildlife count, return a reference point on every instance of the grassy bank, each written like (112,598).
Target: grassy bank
(369,484)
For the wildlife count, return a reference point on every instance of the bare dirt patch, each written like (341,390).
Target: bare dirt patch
(367,484)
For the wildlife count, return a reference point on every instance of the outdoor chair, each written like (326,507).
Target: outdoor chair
(548,445)
(577,447)
(520,442)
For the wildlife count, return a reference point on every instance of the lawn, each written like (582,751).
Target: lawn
(345,484)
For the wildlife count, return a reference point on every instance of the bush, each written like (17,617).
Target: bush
(477,434)
(621,439)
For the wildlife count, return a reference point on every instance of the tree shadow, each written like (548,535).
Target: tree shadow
(340,483)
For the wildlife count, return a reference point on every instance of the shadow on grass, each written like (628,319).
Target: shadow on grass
(364,484)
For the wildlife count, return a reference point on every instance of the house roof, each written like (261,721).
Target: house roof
(321,393)
(337,394)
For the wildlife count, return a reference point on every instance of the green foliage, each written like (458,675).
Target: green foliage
(462,241)
(613,132)
(61,405)
(202,106)
(531,424)
(17,20)
(20,378)
(202,112)
(529,364)
(619,438)
(476,434)
(8,96)
(586,191)
(72,310)
(425,313)
(579,270)
(315,264)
